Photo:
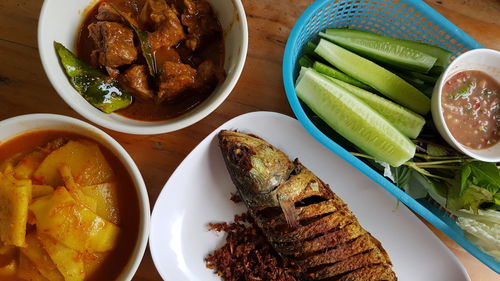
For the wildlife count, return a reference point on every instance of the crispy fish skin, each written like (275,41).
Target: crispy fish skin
(300,215)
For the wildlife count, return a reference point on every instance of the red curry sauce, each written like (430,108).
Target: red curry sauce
(471,108)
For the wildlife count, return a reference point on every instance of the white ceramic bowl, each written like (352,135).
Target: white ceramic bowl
(485,60)
(19,125)
(60,20)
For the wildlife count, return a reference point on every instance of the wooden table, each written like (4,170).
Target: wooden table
(24,87)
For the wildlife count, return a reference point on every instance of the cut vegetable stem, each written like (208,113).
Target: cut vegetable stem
(430,157)
(440,162)
(425,172)
(448,167)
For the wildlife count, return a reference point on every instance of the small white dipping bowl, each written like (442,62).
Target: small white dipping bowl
(60,21)
(16,126)
(485,60)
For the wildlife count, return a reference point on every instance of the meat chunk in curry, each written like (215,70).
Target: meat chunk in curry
(115,44)
(135,80)
(184,39)
(174,79)
(168,30)
(106,12)
(198,17)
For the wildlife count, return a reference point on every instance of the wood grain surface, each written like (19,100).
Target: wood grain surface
(24,87)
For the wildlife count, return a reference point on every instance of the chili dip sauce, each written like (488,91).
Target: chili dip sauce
(470,102)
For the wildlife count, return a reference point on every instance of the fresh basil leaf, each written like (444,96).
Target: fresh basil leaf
(497,198)
(419,186)
(464,178)
(472,198)
(490,187)
(486,175)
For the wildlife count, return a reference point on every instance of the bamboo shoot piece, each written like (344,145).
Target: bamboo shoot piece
(15,196)
(63,218)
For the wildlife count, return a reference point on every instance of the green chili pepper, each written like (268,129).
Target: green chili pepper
(99,90)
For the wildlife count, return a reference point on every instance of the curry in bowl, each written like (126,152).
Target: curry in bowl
(148,60)
(68,209)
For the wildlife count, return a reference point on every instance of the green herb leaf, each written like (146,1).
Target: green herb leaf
(496,199)
(475,196)
(472,198)
(464,91)
(464,178)
(418,186)
(486,175)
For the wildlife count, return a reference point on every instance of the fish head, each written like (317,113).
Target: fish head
(255,166)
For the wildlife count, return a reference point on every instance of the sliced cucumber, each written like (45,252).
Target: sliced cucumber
(406,121)
(436,70)
(354,119)
(301,74)
(442,55)
(332,72)
(309,49)
(305,61)
(387,52)
(424,77)
(415,82)
(375,76)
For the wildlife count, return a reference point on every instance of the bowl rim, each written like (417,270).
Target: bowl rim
(148,127)
(437,104)
(123,156)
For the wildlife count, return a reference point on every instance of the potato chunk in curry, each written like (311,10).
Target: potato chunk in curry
(63,218)
(85,159)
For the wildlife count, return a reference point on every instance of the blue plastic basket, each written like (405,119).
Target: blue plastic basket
(408,19)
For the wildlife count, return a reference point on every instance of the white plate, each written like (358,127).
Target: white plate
(198,193)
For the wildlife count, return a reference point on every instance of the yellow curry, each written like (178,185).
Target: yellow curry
(63,198)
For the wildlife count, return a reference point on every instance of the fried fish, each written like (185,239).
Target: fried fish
(300,215)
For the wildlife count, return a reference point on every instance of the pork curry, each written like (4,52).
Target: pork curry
(167,54)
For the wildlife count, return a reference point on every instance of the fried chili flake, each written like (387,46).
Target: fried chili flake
(247,256)
(235,197)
